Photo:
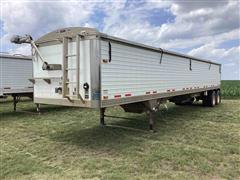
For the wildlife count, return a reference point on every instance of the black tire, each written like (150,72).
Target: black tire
(211,98)
(205,101)
(218,97)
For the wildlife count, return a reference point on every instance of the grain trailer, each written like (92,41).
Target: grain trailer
(83,67)
(15,72)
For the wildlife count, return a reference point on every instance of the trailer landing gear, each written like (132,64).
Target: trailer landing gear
(17,96)
(15,101)
(150,115)
(38,108)
(102,122)
(149,107)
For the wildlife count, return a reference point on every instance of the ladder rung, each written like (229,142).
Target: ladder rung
(71,55)
(66,69)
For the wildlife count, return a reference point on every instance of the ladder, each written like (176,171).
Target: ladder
(66,69)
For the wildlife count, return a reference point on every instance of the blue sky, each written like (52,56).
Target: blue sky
(229,44)
(205,29)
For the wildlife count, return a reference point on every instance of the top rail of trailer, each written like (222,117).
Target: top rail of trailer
(71,32)
(16,56)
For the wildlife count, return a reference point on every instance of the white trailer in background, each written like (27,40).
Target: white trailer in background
(15,72)
(85,68)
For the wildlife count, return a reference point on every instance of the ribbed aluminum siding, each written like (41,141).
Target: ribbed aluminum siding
(14,75)
(137,71)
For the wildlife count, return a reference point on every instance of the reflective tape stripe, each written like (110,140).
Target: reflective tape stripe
(117,96)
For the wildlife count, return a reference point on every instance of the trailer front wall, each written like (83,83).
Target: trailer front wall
(53,54)
(14,75)
(45,92)
(135,72)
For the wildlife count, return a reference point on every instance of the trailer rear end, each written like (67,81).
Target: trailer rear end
(15,74)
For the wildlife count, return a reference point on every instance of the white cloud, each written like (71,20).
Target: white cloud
(37,18)
(24,50)
(200,26)
(230,55)
(194,25)
(229,58)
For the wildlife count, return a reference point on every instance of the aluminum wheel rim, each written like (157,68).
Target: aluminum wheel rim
(214,100)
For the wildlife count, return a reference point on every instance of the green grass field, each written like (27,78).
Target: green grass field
(191,142)
(230,88)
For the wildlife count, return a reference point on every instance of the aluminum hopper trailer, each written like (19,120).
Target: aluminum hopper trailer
(82,67)
(15,72)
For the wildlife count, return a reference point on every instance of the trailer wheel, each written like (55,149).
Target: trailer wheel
(218,97)
(212,98)
(205,101)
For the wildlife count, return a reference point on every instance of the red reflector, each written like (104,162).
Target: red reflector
(117,96)
(128,94)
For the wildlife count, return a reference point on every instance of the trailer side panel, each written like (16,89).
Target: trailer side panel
(136,74)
